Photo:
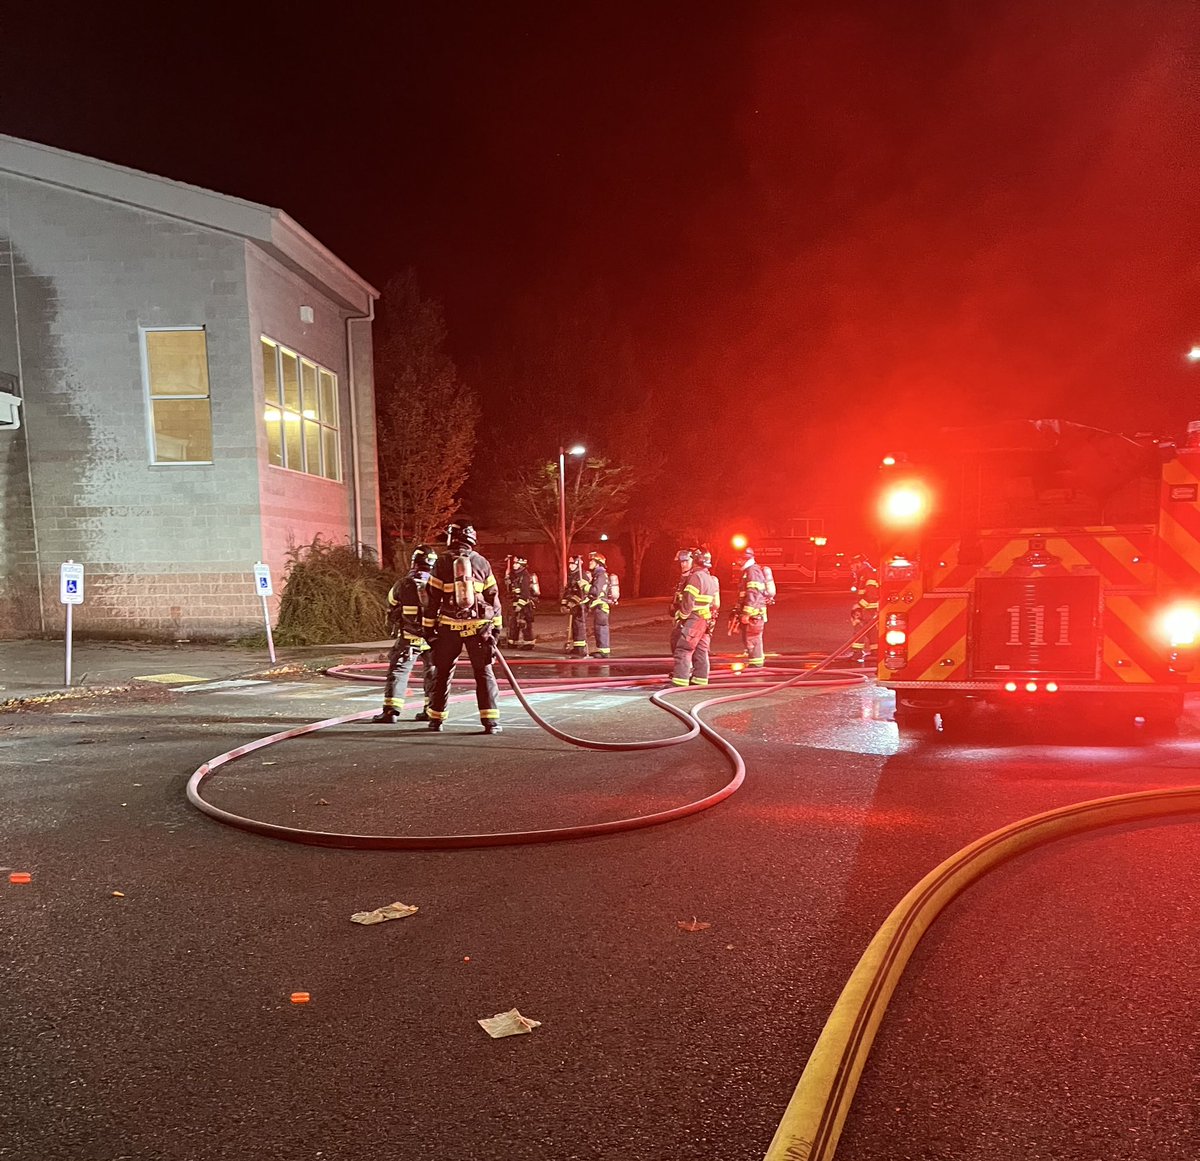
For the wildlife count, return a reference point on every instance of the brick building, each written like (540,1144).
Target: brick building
(185,389)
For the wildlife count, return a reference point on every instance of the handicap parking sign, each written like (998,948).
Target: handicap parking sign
(70,583)
(262,580)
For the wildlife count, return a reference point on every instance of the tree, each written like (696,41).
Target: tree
(426,417)
(596,490)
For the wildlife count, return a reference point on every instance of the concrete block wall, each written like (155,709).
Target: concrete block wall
(87,274)
(296,508)
(19,605)
(174,606)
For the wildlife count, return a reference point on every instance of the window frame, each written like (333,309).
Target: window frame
(149,397)
(317,421)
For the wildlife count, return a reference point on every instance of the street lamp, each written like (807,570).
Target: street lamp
(563,452)
(1193,356)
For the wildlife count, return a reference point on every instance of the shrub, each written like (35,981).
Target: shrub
(331,595)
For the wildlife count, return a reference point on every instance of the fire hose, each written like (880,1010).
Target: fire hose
(689,717)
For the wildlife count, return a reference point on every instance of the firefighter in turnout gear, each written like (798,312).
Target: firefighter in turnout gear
(749,616)
(523,591)
(865,613)
(599,603)
(696,606)
(463,612)
(574,604)
(407,600)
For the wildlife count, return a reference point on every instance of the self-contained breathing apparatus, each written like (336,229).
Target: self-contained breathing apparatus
(461,538)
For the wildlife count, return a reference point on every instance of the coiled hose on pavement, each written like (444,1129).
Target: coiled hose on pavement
(690,717)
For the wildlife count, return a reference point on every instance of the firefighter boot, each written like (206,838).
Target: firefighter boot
(493,728)
(386,716)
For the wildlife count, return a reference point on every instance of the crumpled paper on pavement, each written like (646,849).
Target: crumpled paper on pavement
(510,1023)
(391,911)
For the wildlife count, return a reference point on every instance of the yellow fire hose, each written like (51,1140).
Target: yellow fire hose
(813,1120)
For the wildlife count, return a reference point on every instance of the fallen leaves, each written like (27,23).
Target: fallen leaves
(693,925)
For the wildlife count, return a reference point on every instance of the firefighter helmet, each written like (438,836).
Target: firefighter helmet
(424,556)
(519,561)
(597,556)
(702,557)
(745,556)
(684,559)
(461,534)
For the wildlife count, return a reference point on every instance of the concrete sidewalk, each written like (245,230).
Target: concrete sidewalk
(34,670)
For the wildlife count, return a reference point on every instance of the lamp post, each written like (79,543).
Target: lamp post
(577,450)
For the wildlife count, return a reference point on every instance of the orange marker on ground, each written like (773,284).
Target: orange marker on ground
(300,997)
(20,877)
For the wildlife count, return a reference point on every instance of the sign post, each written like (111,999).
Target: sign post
(70,593)
(262,586)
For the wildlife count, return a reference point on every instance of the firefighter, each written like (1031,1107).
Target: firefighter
(574,604)
(407,599)
(599,603)
(463,612)
(750,613)
(865,614)
(696,606)
(523,591)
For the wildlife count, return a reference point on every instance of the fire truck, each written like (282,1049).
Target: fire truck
(1040,564)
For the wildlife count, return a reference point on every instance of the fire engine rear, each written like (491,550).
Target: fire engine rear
(1040,564)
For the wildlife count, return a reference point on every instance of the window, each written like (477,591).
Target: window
(300,413)
(176,372)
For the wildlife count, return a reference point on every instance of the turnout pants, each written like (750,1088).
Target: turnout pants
(689,643)
(401,660)
(752,638)
(521,621)
(447,648)
(598,618)
(576,632)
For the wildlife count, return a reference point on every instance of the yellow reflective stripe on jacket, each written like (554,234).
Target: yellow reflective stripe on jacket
(434,583)
(762,588)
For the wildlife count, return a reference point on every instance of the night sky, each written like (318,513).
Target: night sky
(820,225)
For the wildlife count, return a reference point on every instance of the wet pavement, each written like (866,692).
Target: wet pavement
(148,964)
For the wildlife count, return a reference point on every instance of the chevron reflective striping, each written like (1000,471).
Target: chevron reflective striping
(1108,554)
(1178,551)
(1124,640)
(940,632)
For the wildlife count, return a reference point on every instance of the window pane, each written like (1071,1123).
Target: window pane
(312,448)
(182,431)
(328,399)
(330,440)
(274,436)
(308,390)
(270,373)
(291,441)
(291,381)
(177,362)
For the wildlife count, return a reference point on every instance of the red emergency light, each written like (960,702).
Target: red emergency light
(904,504)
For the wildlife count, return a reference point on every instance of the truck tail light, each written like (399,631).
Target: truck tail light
(895,640)
(1180,628)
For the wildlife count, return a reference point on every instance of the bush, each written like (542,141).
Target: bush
(331,595)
